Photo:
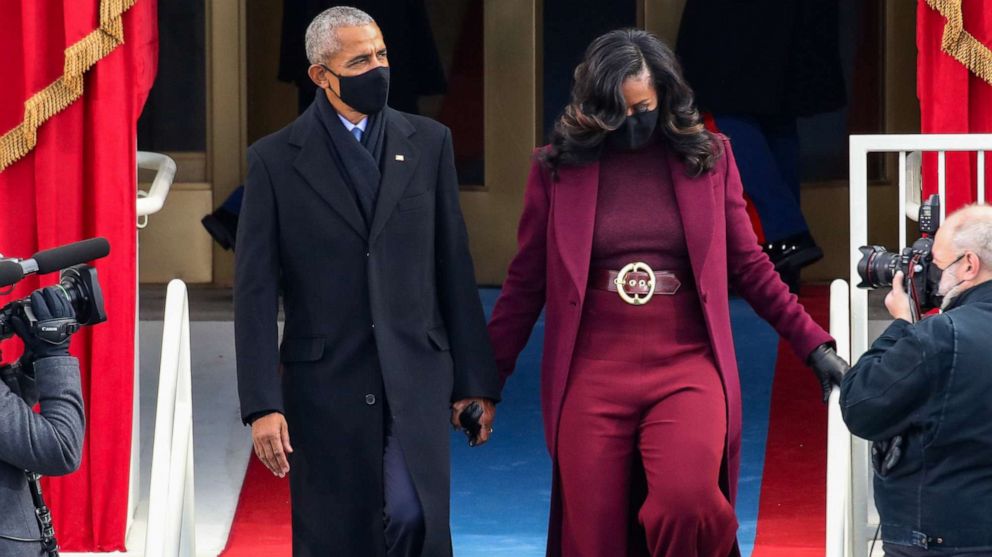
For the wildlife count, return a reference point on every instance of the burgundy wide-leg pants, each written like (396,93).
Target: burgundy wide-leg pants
(644,383)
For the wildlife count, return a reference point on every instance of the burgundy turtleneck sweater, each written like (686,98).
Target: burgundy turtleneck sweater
(637,215)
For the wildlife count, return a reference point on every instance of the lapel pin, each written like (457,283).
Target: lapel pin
(400,158)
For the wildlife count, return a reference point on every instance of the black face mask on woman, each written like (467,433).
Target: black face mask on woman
(365,92)
(635,132)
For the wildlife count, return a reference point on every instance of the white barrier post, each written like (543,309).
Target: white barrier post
(839,539)
(170,508)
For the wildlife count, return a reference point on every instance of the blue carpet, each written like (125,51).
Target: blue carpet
(501,491)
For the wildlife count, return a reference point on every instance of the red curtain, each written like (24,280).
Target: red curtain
(953,97)
(77,182)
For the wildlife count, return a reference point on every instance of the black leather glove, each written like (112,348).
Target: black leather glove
(886,454)
(828,367)
(51,321)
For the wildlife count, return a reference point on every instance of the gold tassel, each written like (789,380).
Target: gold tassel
(56,97)
(960,44)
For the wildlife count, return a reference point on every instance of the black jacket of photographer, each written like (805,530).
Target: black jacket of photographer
(931,382)
(49,443)
(378,314)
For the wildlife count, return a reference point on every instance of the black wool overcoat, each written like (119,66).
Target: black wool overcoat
(378,317)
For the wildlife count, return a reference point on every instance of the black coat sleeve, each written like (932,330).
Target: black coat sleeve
(458,294)
(256,294)
(882,395)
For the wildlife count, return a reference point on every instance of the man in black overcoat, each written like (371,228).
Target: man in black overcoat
(351,213)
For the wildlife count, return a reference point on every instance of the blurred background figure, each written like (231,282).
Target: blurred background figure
(757,68)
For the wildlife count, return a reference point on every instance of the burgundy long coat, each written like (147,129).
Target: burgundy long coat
(551,269)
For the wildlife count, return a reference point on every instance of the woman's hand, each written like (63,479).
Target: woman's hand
(828,367)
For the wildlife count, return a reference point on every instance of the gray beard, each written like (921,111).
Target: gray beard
(949,297)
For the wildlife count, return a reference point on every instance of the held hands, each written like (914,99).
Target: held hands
(897,301)
(828,367)
(485,419)
(270,437)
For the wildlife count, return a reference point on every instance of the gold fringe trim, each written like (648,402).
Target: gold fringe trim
(960,44)
(51,100)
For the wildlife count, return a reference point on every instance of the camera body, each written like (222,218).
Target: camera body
(80,285)
(878,266)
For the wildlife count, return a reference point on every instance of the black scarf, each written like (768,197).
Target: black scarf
(360,163)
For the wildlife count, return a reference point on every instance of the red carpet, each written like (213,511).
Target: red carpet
(261,525)
(791,513)
(793,496)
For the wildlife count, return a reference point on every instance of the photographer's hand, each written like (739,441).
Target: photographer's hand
(56,321)
(897,301)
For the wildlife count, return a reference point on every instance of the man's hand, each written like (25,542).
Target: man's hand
(897,301)
(270,436)
(486,420)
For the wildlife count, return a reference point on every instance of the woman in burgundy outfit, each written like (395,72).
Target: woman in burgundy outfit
(633,228)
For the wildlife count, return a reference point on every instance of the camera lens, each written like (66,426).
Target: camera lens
(85,295)
(877,266)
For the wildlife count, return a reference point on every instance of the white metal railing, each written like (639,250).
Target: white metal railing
(860,519)
(171,530)
(165,173)
(838,437)
(148,203)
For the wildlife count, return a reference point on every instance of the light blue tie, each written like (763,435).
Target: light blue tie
(357,132)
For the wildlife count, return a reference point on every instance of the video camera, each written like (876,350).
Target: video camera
(78,281)
(878,266)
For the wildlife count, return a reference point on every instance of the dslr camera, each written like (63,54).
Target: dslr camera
(878,265)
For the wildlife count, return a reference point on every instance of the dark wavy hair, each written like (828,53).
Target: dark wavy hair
(598,107)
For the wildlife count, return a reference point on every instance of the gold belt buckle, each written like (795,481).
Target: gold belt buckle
(621,281)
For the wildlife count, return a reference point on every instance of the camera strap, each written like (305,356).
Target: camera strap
(44,515)
(47,540)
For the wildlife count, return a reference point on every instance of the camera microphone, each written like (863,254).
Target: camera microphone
(10,273)
(52,260)
(62,257)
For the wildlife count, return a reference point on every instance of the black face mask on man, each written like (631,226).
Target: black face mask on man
(365,92)
(635,132)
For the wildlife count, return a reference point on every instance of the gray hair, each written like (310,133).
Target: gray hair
(973,232)
(322,33)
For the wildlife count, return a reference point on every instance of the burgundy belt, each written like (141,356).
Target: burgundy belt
(637,282)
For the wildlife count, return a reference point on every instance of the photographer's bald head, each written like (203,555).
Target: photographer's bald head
(962,249)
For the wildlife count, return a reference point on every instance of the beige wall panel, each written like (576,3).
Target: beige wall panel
(226,130)
(511,89)
(174,244)
(662,17)
(272,104)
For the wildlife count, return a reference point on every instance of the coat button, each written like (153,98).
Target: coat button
(370,399)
